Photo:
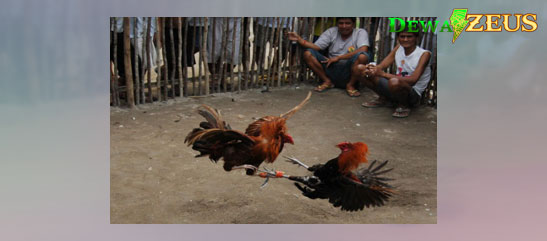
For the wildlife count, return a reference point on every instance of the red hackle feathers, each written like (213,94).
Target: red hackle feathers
(353,154)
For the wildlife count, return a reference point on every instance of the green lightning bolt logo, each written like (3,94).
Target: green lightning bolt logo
(458,22)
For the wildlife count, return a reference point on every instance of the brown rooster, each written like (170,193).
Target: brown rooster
(336,181)
(262,141)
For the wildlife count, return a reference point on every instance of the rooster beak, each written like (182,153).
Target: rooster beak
(288,139)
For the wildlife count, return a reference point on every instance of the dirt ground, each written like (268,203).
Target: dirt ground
(154,177)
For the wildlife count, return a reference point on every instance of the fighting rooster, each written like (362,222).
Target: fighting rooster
(336,181)
(263,139)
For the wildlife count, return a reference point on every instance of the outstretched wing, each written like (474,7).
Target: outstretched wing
(216,139)
(219,143)
(367,188)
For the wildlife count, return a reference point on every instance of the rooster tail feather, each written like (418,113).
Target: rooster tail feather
(291,112)
(213,117)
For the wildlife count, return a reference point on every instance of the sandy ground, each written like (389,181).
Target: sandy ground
(156,179)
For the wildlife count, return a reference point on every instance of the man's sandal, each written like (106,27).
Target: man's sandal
(375,103)
(401,112)
(323,87)
(353,93)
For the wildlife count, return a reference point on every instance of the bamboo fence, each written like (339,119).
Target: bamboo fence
(274,62)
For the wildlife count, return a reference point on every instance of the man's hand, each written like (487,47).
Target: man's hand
(373,71)
(293,36)
(329,61)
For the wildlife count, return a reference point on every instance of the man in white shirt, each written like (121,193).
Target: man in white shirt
(347,48)
(404,88)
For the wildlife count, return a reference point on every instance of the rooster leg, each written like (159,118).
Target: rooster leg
(271,173)
(245,167)
(310,181)
(251,170)
(296,161)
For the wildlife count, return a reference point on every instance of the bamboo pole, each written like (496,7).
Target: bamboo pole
(292,64)
(247,54)
(204,46)
(159,48)
(179,58)
(310,37)
(214,76)
(287,48)
(241,53)
(201,60)
(136,56)
(382,37)
(127,63)
(148,59)
(270,53)
(232,60)
(431,34)
(226,27)
(166,60)
(297,66)
(263,52)
(114,83)
(254,61)
(192,47)
(373,24)
(143,63)
(302,65)
(279,50)
(185,56)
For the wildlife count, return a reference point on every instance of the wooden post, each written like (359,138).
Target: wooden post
(127,63)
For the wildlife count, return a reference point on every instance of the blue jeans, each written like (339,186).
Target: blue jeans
(340,72)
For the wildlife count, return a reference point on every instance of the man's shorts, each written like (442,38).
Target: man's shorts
(382,88)
(339,72)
